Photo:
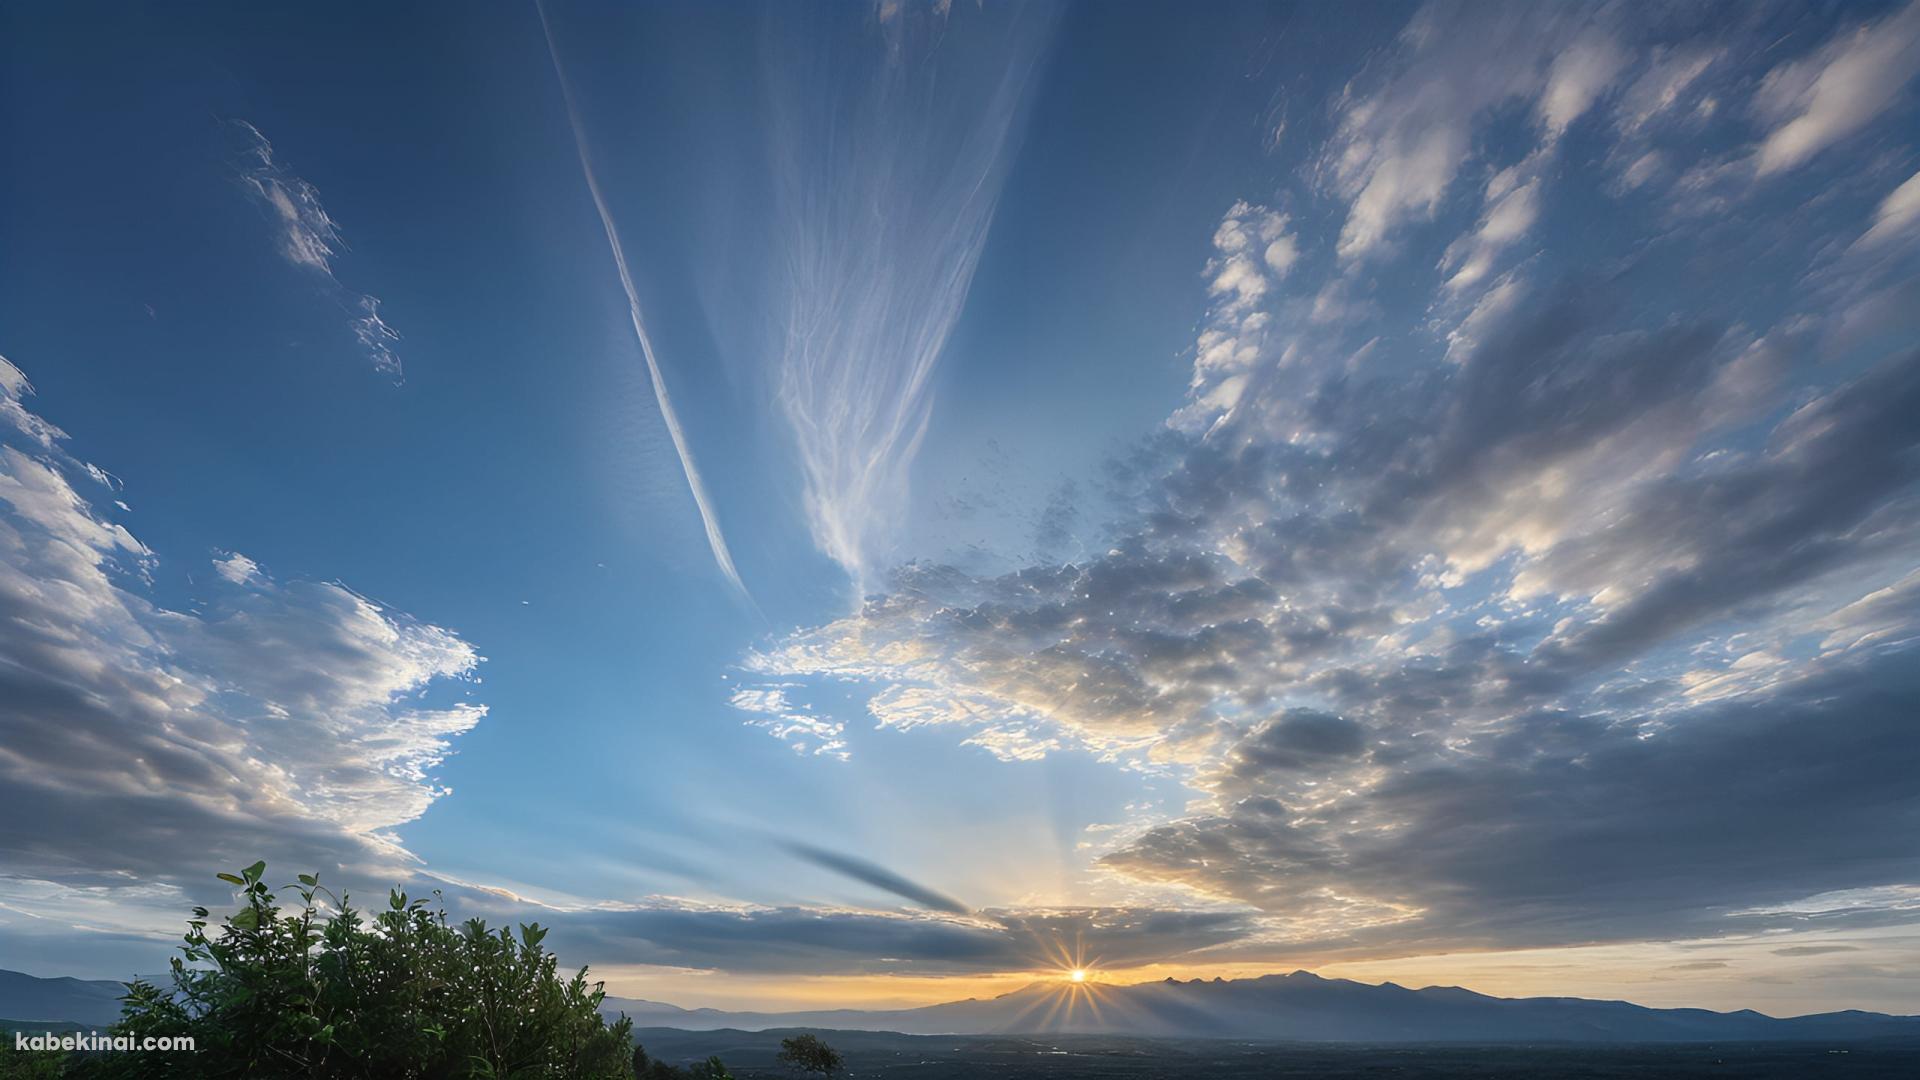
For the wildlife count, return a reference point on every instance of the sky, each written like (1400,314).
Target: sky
(878,504)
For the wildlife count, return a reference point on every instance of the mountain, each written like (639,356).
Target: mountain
(1297,1007)
(82,1001)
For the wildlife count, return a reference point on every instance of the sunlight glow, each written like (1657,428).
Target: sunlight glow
(1078,974)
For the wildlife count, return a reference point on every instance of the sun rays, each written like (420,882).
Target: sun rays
(1073,997)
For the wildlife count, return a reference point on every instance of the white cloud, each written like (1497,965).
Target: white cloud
(146,746)
(1817,101)
(236,568)
(1577,78)
(14,389)
(1400,145)
(309,238)
(1508,217)
(1898,218)
(792,723)
(307,234)
(1254,251)
(1658,89)
(1406,181)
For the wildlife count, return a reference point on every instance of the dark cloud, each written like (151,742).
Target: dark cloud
(813,941)
(1297,739)
(1824,494)
(877,876)
(1565,829)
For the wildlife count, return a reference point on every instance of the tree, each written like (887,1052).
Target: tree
(810,1054)
(301,992)
(647,1068)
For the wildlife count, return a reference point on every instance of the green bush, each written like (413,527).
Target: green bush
(300,992)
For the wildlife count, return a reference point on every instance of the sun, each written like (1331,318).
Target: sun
(1077,975)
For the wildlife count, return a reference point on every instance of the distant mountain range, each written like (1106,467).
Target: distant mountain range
(80,1001)
(1298,1007)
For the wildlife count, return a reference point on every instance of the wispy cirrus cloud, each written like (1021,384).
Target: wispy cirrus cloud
(309,238)
(889,161)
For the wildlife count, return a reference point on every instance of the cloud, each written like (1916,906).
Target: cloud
(1670,74)
(1898,218)
(309,238)
(1254,250)
(1815,102)
(236,568)
(1400,143)
(1578,76)
(709,519)
(1483,634)
(1556,828)
(144,748)
(889,165)
(793,723)
(877,876)
(1512,208)
(1297,739)
(14,390)
(816,941)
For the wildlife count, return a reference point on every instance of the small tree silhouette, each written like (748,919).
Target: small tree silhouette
(810,1054)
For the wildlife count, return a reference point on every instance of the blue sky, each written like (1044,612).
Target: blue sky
(1326,491)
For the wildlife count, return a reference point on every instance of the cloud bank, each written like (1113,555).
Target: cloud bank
(1572,608)
(144,748)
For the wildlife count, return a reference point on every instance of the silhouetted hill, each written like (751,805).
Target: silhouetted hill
(1298,1007)
(82,1001)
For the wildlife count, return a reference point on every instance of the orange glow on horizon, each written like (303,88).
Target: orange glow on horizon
(1640,972)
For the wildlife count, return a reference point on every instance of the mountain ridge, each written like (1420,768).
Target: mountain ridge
(26,997)
(1297,1006)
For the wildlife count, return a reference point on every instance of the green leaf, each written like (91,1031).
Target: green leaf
(230,879)
(252,873)
(246,919)
(309,880)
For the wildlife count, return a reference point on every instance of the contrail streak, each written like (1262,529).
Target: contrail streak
(715,539)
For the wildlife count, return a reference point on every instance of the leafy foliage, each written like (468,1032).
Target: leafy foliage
(29,1064)
(304,991)
(810,1054)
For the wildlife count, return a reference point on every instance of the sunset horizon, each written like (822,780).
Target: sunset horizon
(798,507)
